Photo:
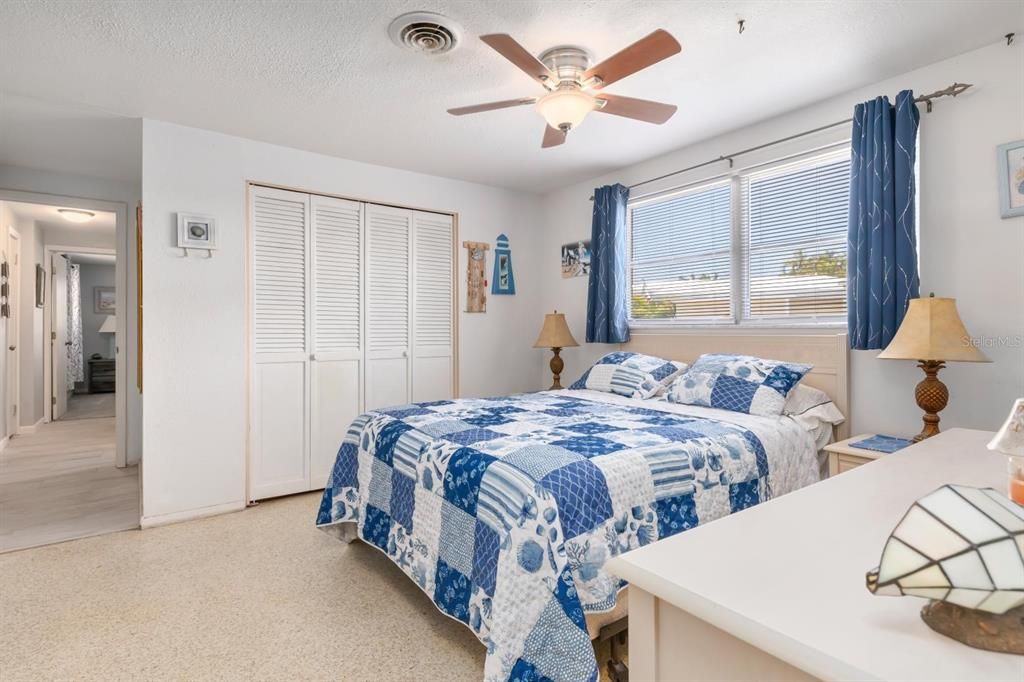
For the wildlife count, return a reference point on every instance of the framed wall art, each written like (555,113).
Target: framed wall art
(40,286)
(104,300)
(576,259)
(1011,179)
(196,232)
(503,282)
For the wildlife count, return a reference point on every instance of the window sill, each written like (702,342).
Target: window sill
(728,326)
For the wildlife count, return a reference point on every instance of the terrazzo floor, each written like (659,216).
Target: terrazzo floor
(255,595)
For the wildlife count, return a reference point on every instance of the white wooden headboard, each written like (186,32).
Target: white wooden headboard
(829,353)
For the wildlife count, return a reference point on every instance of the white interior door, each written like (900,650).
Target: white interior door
(337,357)
(279,453)
(13,330)
(389,306)
(59,337)
(433,275)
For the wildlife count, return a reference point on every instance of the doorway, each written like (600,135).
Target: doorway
(12,257)
(63,472)
(83,343)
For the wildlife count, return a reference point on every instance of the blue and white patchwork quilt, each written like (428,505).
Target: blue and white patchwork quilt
(505,510)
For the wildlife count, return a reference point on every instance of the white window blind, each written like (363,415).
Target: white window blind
(780,256)
(793,223)
(680,256)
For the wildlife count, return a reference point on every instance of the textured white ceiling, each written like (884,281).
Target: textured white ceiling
(323,76)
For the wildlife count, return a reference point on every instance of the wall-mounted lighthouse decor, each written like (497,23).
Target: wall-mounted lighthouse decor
(476,283)
(503,282)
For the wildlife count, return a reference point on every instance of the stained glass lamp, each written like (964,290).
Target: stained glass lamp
(962,548)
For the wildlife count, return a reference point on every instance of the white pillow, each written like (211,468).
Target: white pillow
(810,407)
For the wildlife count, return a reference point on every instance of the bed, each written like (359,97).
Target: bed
(503,510)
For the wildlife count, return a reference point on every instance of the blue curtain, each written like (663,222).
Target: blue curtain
(606,289)
(882,245)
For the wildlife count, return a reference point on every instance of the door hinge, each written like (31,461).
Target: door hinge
(53,400)
(14,410)
(53,336)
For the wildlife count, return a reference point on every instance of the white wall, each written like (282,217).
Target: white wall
(966,250)
(23,179)
(194,335)
(94,275)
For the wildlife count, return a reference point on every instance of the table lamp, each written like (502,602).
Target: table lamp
(1010,441)
(933,334)
(555,335)
(109,326)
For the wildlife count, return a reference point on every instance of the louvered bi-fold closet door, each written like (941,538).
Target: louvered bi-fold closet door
(433,286)
(388,306)
(337,356)
(279,458)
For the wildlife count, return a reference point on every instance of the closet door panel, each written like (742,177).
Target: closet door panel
(279,463)
(337,357)
(336,396)
(280,328)
(432,379)
(388,306)
(433,322)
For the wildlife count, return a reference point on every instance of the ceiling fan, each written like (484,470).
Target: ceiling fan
(574,86)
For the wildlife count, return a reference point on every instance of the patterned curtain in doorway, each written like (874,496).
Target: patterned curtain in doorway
(76,365)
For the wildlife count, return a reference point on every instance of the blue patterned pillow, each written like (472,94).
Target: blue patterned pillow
(630,374)
(740,383)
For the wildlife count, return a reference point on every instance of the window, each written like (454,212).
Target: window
(779,257)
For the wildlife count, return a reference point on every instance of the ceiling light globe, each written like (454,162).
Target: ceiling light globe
(76,215)
(565,108)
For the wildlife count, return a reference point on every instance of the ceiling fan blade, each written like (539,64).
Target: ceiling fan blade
(552,137)
(640,109)
(641,54)
(504,104)
(508,48)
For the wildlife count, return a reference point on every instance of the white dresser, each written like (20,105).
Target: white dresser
(777,592)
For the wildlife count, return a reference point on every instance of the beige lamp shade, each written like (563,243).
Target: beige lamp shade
(932,330)
(1010,439)
(109,325)
(555,332)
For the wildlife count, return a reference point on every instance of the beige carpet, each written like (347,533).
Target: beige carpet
(256,595)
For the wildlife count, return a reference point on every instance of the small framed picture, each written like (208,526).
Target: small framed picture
(104,300)
(576,259)
(1011,179)
(40,286)
(196,232)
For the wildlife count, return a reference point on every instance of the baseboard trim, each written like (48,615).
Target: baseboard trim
(4,442)
(31,428)
(190,514)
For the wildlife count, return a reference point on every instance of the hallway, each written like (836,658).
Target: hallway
(60,483)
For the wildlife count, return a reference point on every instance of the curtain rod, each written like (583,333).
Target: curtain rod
(952,91)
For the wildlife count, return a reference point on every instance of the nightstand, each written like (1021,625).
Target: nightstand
(842,457)
(102,375)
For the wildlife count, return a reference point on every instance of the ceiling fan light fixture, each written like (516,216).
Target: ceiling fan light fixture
(566,107)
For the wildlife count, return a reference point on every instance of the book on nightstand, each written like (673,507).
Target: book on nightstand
(886,444)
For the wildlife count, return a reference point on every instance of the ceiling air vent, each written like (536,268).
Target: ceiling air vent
(425,32)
